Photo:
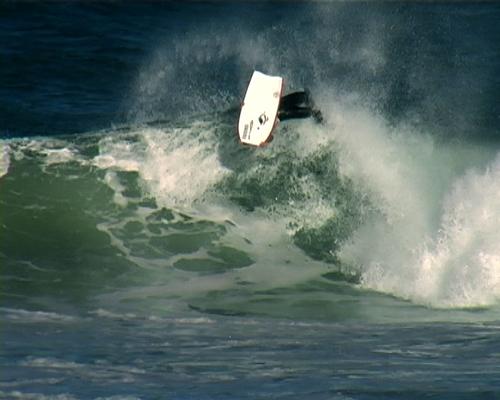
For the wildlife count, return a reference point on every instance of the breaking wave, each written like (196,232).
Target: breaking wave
(397,193)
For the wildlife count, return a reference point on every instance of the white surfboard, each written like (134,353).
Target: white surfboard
(260,109)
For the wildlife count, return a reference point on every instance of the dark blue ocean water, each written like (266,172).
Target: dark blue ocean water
(144,254)
(76,66)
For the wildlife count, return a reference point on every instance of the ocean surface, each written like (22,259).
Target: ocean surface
(145,254)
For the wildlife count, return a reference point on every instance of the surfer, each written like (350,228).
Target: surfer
(298,105)
(294,106)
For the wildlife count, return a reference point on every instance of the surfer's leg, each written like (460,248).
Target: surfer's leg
(294,100)
(296,112)
(291,106)
(298,105)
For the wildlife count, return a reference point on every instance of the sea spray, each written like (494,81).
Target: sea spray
(177,165)
(435,238)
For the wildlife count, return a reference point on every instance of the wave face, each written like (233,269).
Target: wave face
(123,186)
(174,211)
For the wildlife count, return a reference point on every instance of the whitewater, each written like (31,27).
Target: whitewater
(427,230)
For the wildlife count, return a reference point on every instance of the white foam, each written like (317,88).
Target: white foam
(31,382)
(97,371)
(51,151)
(176,166)
(4,158)
(114,183)
(101,313)
(119,397)
(194,321)
(52,363)
(35,396)
(436,237)
(465,255)
(20,315)
(116,152)
(58,156)
(179,170)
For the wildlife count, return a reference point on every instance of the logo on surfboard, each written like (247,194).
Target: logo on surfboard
(263,118)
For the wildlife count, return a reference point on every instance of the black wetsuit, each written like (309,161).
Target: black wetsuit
(298,105)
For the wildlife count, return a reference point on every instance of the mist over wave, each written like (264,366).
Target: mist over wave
(393,68)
